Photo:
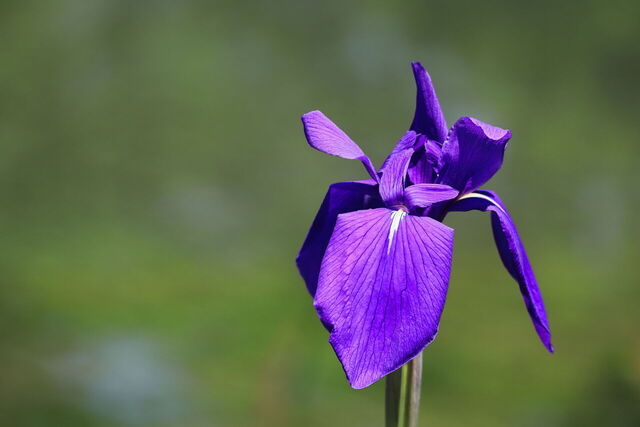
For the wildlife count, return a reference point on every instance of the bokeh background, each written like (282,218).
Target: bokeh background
(155,186)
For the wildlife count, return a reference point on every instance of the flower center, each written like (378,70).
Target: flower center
(400,208)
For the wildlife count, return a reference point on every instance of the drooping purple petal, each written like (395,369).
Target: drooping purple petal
(393,177)
(472,154)
(513,255)
(341,197)
(382,289)
(323,135)
(423,195)
(428,118)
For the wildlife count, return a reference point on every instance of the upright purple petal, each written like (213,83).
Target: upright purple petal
(425,158)
(423,195)
(428,118)
(513,255)
(382,289)
(393,177)
(407,141)
(341,197)
(472,154)
(323,135)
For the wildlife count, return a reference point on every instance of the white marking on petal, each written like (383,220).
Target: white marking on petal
(396,217)
(482,196)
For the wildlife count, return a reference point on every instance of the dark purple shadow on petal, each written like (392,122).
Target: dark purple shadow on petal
(472,154)
(341,197)
(428,118)
(324,135)
(434,152)
(383,301)
(513,255)
(424,163)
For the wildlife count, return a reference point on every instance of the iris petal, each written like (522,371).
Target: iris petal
(324,135)
(424,160)
(393,178)
(341,197)
(513,255)
(407,141)
(423,195)
(428,118)
(472,154)
(382,302)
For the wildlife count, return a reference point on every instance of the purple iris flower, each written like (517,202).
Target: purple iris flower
(377,258)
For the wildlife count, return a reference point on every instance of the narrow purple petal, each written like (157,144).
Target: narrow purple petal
(382,289)
(393,176)
(407,141)
(341,197)
(472,154)
(513,255)
(423,195)
(323,135)
(428,119)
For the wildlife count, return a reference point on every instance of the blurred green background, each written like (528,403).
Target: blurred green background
(155,186)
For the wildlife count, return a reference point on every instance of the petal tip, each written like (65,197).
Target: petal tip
(546,341)
(547,344)
(310,114)
(359,385)
(492,132)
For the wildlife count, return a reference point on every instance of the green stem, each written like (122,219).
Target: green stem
(402,395)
